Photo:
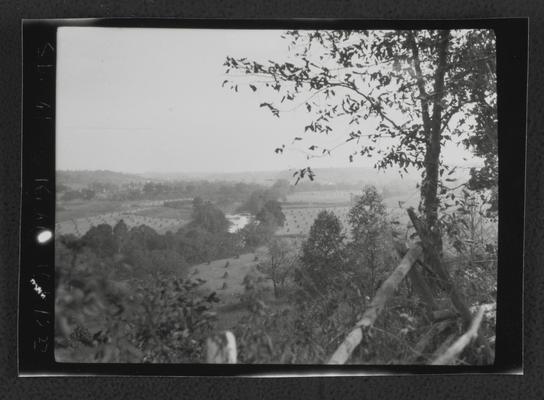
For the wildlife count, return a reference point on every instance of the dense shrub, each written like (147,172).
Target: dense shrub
(158,319)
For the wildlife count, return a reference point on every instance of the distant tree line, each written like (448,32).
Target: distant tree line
(221,193)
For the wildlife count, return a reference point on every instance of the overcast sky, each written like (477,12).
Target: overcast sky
(142,100)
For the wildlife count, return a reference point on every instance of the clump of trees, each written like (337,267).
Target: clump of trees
(330,258)
(267,220)
(208,217)
(271,214)
(258,198)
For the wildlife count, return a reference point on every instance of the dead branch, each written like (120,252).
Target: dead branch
(386,290)
(456,348)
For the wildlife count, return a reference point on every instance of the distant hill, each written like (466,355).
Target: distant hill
(352,176)
(83,178)
(360,176)
(322,176)
(262,177)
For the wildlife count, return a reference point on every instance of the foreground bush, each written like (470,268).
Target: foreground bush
(159,320)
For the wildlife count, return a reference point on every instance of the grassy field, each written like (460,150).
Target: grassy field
(86,208)
(333,196)
(298,221)
(302,208)
(227,282)
(165,212)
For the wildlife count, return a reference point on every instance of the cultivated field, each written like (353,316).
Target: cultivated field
(80,226)
(77,217)
(302,208)
(298,221)
(70,210)
(322,196)
(300,211)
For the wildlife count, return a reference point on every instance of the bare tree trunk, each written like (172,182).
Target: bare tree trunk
(432,127)
(429,186)
(428,229)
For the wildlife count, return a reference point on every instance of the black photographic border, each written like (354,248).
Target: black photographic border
(36,310)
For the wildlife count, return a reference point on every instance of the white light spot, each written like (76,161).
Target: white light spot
(44,236)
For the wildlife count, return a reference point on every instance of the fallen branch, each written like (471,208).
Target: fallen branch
(456,348)
(386,290)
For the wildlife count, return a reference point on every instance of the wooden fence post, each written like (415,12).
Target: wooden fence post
(386,290)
